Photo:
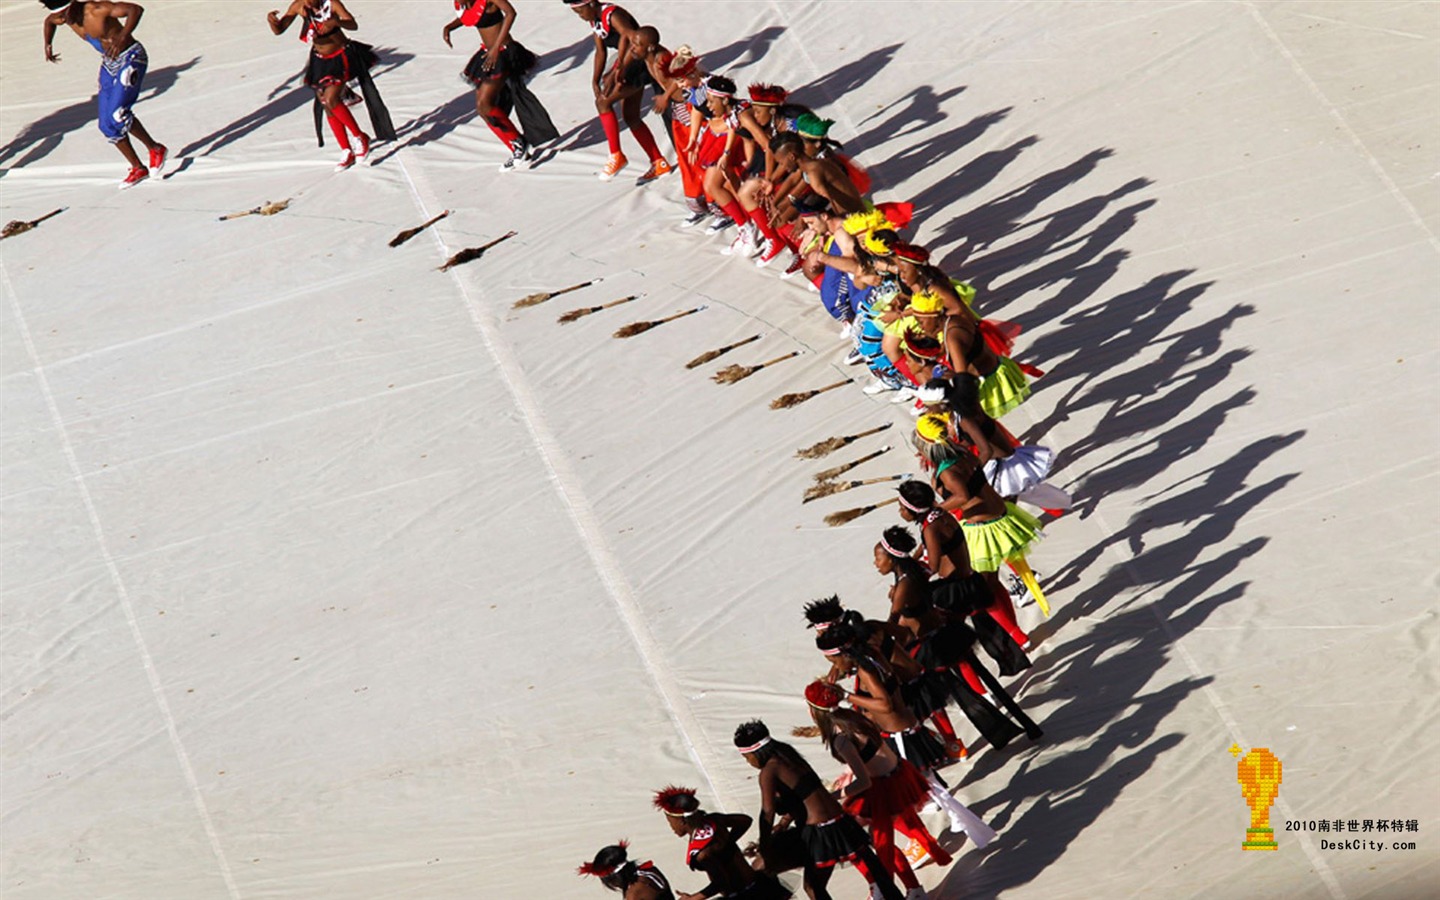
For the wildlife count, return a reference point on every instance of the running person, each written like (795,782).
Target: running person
(829,835)
(334,61)
(122,73)
(633,881)
(624,83)
(498,59)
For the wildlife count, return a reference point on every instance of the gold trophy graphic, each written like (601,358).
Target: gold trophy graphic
(1259,776)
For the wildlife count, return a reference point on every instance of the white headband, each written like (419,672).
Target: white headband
(891,550)
(910,506)
(821,626)
(753,747)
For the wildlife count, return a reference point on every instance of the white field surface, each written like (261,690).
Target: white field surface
(328,575)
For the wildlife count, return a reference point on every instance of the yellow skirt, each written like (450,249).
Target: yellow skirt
(992,544)
(1003,389)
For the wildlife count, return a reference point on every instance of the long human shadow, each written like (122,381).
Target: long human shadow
(573,56)
(752,48)
(842,82)
(286,97)
(921,156)
(38,139)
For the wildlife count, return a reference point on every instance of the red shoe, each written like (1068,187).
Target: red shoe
(772,250)
(347,159)
(137,175)
(364,140)
(158,155)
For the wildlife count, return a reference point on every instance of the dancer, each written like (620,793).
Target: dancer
(633,881)
(497,68)
(959,589)
(682,93)
(334,61)
(758,122)
(122,73)
(885,791)
(996,530)
(824,178)
(912,342)
(944,642)
(624,83)
(874,697)
(790,787)
(712,146)
(713,849)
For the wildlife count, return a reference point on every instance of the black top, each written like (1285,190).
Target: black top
(790,801)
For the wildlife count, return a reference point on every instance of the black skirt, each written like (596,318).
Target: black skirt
(341,66)
(835,841)
(999,645)
(636,74)
(927,694)
(515,61)
(920,747)
(764,887)
(962,596)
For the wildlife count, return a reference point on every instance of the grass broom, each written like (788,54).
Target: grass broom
(537,299)
(831,488)
(786,401)
(409,233)
(732,374)
(634,328)
(265,209)
(718,352)
(470,254)
(835,520)
(830,445)
(18,227)
(574,314)
(837,471)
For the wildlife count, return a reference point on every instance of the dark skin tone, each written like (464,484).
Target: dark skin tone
(608,87)
(936,535)
(876,703)
(905,667)
(903,591)
(721,859)
(102,21)
(328,38)
(820,806)
(826,177)
(487,93)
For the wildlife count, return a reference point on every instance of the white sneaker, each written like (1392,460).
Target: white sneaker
(694,218)
(720,224)
(744,243)
(847,332)
(876,386)
(854,358)
(918,409)
(520,154)
(903,395)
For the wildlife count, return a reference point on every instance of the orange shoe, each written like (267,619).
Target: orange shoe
(613,167)
(916,854)
(956,750)
(658,167)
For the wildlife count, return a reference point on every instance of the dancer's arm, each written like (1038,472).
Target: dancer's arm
(492,57)
(52,22)
(279,23)
(767,805)
(850,755)
(343,16)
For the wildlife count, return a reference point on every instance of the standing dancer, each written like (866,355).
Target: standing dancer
(624,84)
(633,881)
(959,589)
(334,61)
(712,849)
(122,73)
(499,65)
(679,78)
(886,789)
(790,787)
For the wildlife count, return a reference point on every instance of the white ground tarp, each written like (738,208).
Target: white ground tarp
(328,575)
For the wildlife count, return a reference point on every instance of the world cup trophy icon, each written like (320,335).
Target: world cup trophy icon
(1259,775)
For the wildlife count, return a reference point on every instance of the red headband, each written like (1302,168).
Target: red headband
(910,252)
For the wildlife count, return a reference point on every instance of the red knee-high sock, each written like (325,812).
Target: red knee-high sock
(942,724)
(645,139)
(735,211)
(968,673)
(863,868)
(1003,611)
(909,824)
(504,129)
(342,112)
(762,221)
(612,130)
(338,127)
(882,835)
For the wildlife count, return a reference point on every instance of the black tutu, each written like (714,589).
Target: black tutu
(999,645)
(515,61)
(835,841)
(920,748)
(340,67)
(926,694)
(962,596)
(994,727)
(637,74)
(946,646)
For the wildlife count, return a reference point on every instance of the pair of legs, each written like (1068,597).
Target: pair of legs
(127,149)
(882,833)
(487,95)
(342,122)
(628,97)
(817,878)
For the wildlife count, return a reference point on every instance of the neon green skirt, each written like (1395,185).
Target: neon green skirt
(992,544)
(1003,389)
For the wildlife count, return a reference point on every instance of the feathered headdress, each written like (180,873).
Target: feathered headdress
(911,253)
(672,801)
(861,222)
(680,63)
(812,126)
(767,94)
(590,868)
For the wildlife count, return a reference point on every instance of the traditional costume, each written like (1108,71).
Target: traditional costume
(352,61)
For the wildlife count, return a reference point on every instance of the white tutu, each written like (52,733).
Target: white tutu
(1022,470)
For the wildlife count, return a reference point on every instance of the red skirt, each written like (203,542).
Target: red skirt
(904,788)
